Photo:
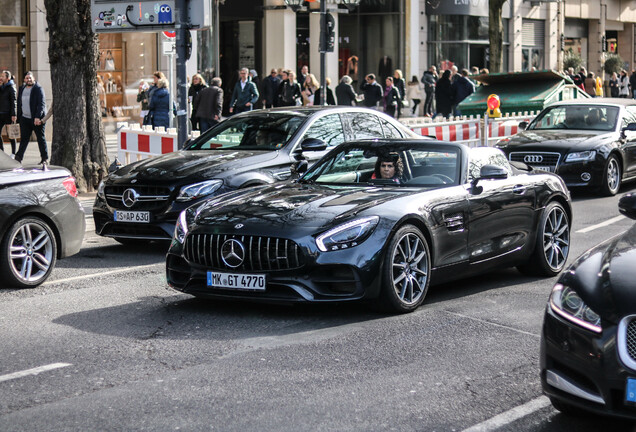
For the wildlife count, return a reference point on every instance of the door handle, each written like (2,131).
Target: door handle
(519,190)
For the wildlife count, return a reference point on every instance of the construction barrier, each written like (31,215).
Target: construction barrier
(144,141)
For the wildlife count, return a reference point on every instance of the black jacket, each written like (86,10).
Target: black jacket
(37,103)
(372,93)
(8,99)
(270,89)
(345,94)
(444,97)
(318,97)
(288,93)
(429,81)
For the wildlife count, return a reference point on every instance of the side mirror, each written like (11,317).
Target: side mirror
(630,127)
(489,172)
(627,205)
(523,125)
(114,166)
(313,144)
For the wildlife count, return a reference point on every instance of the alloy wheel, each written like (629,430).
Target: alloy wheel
(31,251)
(613,175)
(556,238)
(410,269)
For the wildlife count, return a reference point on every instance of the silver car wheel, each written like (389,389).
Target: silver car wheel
(613,175)
(556,238)
(31,251)
(410,269)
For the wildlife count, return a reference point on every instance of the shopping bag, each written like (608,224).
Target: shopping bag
(13,131)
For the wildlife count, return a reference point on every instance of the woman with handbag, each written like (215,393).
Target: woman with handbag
(8,111)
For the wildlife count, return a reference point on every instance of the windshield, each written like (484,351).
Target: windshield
(255,131)
(582,117)
(401,164)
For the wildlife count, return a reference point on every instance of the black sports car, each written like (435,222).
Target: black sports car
(144,199)
(588,344)
(588,142)
(374,220)
(41,220)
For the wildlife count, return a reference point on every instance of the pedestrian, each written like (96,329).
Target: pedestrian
(372,92)
(599,86)
(142,97)
(270,88)
(429,79)
(318,95)
(590,84)
(623,86)
(158,75)
(444,95)
(257,82)
(400,85)
(310,85)
(414,93)
(302,75)
(198,84)
(244,95)
(159,106)
(209,104)
(345,93)
(613,85)
(31,110)
(289,93)
(8,106)
(581,79)
(632,83)
(391,98)
(462,88)
(454,74)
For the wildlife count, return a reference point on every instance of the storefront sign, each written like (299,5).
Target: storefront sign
(462,7)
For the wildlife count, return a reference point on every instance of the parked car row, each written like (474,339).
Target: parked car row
(346,204)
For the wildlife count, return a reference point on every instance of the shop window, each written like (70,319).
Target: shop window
(14,13)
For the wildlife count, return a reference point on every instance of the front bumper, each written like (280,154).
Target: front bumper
(582,174)
(582,369)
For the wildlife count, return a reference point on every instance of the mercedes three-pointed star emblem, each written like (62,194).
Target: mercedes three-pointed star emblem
(232,253)
(130,197)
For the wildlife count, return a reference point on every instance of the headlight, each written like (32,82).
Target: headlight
(581,156)
(502,143)
(198,190)
(347,235)
(181,229)
(100,189)
(567,303)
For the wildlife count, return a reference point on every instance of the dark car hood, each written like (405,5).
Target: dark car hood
(604,276)
(29,174)
(192,165)
(557,140)
(293,205)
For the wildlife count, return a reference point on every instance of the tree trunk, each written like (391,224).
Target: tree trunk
(78,135)
(495,34)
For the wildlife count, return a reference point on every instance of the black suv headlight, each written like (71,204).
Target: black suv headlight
(565,302)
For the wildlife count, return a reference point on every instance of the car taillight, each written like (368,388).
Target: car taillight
(69,184)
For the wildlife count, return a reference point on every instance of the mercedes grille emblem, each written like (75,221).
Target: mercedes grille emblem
(129,198)
(238,226)
(232,253)
(533,159)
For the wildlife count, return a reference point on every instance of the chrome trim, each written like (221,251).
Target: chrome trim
(523,154)
(141,198)
(621,342)
(559,381)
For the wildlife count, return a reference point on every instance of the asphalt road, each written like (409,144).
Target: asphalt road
(105,346)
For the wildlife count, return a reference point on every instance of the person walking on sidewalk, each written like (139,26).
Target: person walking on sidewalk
(31,110)
(7,106)
(210,105)
(245,94)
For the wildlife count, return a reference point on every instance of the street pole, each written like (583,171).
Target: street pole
(182,36)
(323,66)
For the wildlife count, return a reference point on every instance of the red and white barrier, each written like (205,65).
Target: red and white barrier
(144,142)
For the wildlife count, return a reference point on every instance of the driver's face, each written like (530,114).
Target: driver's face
(387,170)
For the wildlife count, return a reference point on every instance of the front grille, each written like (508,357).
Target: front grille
(150,197)
(630,339)
(543,160)
(261,253)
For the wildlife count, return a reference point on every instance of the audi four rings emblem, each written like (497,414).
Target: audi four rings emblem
(533,159)
(232,253)
(130,197)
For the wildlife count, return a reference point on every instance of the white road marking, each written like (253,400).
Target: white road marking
(510,416)
(33,371)
(493,324)
(601,225)
(106,273)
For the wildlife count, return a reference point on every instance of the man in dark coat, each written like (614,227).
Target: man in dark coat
(462,88)
(31,110)
(270,88)
(344,92)
(210,105)
(372,92)
(429,79)
(7,106)
(245,94)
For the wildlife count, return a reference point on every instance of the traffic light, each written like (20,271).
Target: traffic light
(327,33)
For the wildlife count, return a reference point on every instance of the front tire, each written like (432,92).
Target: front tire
(611,177)
(29,252)
(406,271)
(552,243)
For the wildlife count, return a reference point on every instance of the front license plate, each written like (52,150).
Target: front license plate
(544,168)
(252,282)
(630,391)
(132,216)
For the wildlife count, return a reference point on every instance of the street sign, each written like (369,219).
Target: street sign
(170,34)
(116,16)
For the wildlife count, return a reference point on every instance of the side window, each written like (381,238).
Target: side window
(327,128)
(390,131)
(480,156)
(365,126)
(629,116)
